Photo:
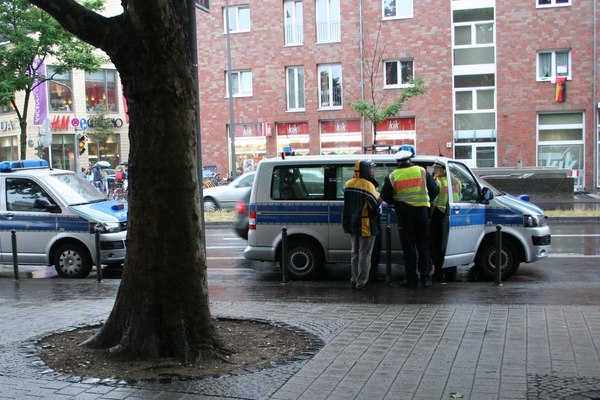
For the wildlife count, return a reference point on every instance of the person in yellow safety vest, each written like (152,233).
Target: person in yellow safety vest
(410,188)
(437,219)
(360,220)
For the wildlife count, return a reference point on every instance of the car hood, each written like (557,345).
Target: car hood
(105,211)
(514,203)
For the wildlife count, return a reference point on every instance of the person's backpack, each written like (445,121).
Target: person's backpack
(119,175)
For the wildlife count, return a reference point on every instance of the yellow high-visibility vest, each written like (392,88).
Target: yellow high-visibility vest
(410,186)
(442,197)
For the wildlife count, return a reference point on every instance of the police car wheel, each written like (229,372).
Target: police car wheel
(72,261)
(304,260)
(486,259)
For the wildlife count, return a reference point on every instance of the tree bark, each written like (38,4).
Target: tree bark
(162,307)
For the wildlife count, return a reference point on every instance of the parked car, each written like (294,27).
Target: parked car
(55,215)
(240,224)
(225,197)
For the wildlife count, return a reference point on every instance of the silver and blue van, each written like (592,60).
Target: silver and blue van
(55,215)
(306,195)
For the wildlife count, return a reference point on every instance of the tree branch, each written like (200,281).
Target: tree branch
(76,18)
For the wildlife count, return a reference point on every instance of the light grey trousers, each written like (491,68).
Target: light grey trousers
(360,258)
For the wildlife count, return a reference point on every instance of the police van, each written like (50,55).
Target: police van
(55,215)
(306,195)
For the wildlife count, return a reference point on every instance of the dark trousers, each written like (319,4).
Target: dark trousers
(413,228)
(437,235)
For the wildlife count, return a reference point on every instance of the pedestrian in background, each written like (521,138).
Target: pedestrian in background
(410,188)
(361,211)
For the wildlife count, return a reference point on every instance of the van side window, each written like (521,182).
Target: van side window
(346,173)
(462,184)
(21,195)
(298,183)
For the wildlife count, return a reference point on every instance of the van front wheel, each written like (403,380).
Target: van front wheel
(304,260)
(72,261)
(486,259)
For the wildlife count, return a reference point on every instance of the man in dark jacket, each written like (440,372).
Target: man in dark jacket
(411,189)
(361,210)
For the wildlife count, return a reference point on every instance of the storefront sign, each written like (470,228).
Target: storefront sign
(6,126)
(292,128)
(396,124)
(248,130)
(340,126)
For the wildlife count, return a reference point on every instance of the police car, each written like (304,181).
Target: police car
(55,215)
(306,196)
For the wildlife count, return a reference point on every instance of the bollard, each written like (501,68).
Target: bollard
(388,254)
(499,255)
(284,258)
(98,257)
(13,234)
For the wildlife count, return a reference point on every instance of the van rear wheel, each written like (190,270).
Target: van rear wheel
(304,260)
(72,261)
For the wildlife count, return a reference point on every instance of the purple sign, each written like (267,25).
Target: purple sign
(39,94)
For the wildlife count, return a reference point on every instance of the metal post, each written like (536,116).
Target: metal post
(98,257)
(284,251)
(499,255)
(388,254)
(230,94)
(15,256)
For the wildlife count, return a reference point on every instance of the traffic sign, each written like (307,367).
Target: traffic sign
(83,124)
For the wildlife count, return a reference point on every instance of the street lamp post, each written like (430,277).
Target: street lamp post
(230,94)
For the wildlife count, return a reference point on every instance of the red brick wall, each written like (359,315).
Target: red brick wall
(521,30)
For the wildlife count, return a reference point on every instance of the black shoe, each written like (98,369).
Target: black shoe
(353,285)
(363,287)
(426,281)
(409,284)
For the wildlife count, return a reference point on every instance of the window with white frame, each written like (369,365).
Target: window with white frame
(551,64)
(330,86)
(239,19)
(473,36)
(294,30)
(328,21)
(295,88)
(397,8)
(397,73)
(561,142)
(553,3)
(475,104)
(241,84)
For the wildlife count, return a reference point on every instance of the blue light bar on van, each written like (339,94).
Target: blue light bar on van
(8,166)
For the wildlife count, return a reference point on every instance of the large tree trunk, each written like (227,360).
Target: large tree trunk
(162,305)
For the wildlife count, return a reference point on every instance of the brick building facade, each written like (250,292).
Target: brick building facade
(490,69)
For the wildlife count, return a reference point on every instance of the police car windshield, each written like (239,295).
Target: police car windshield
(74,189)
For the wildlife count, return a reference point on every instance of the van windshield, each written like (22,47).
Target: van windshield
(73,188)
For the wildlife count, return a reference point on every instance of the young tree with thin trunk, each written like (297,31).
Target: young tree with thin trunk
(373,108)
(162,305)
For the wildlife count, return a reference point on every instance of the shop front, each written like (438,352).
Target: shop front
(342,136)
(294,135)
(394,132)
(250,146)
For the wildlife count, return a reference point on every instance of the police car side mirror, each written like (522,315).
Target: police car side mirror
(486,195)
(44,204)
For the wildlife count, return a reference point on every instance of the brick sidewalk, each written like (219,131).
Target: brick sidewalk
(361,351)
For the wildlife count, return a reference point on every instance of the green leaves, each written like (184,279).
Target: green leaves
(373,112)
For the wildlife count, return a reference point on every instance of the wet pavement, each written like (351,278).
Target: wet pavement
(537,337)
